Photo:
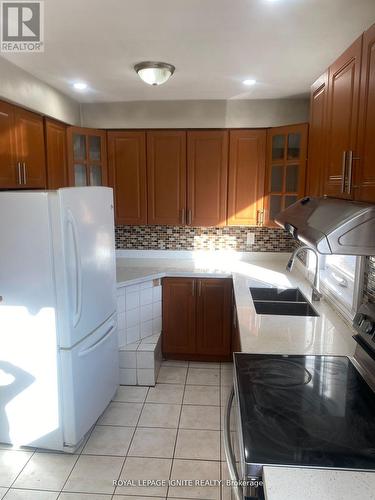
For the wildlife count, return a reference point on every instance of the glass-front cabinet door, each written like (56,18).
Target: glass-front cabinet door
(87,157)
(286,167)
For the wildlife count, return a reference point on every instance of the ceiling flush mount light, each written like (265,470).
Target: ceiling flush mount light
(80,86)
(249,82)
(154,73)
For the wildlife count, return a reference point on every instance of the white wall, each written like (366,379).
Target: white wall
(195,114)
(20,87)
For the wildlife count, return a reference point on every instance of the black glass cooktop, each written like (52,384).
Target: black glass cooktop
(313,411)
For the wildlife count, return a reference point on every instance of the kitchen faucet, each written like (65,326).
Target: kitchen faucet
(316,294)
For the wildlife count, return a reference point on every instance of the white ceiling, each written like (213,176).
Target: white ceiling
(214,44)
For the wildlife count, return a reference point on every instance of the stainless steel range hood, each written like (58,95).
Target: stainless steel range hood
(331,226)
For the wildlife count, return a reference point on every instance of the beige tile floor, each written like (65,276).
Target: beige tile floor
(171,431)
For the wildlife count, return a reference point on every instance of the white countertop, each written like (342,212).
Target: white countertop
(326,334)
(283,483)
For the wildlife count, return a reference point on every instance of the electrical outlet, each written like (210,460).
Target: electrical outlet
(250,239)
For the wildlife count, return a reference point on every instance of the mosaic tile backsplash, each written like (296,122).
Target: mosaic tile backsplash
(219,238)
(202,238)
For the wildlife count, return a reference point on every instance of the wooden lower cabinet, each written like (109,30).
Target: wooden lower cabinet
(179,308)
(197,318)
(214,312)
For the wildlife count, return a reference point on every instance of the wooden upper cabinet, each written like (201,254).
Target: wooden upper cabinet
(207,163)
(127,175)
(317,136)
(87,157)
(56,154)
(179,308)
(247,156)
(342,121)
(10,173)
(22,154)
(214,313)
(30,148)
(286,168)
(166,177)
(365,173)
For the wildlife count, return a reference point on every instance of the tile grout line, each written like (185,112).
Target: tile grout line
(75,463)
(15,479)
(219,386)
(131,441)
(81,452)
(178,430)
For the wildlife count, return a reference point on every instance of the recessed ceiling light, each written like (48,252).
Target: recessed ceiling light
(80,86)
(249,82)
(154,73)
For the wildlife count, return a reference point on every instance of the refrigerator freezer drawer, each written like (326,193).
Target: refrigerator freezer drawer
(90,377)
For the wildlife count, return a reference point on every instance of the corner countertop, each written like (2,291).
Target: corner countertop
(326,334)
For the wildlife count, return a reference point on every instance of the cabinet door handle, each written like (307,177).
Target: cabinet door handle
(199,288)
(19,172)
(182,216)
(343,172)
(24,173)
(350,170)
(193,288)
(189,216)
(261,217)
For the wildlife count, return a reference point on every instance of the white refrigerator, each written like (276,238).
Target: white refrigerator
(58,334)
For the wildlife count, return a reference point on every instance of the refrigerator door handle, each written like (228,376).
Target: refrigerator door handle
(78,267)
(99,342)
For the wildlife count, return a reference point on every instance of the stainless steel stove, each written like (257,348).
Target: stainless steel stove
(303,411)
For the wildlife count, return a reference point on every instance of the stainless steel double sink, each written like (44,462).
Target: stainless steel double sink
(285,302)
